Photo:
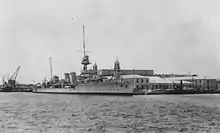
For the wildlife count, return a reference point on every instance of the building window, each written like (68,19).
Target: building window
(142,80)
(137,80)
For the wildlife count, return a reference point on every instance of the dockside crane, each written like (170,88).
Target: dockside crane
(15,74)
(12,80)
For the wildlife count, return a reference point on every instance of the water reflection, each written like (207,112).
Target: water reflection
(86,100)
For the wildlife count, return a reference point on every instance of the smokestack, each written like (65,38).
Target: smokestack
(67,77)
(72,77)
(51,78)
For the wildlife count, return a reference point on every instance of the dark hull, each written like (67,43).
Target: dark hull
(15,90)
(6,90)
(183,92)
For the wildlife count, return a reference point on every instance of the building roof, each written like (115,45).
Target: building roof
(128,76)
(133,76)
(191,78)
(153,79)
(157,79)
(108,69)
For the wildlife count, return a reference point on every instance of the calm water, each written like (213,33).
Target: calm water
(29,112)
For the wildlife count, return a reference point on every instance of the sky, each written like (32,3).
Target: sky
(168,36)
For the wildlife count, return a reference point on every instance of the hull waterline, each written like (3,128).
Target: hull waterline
(90,89)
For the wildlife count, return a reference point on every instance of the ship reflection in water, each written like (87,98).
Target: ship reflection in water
(87,100)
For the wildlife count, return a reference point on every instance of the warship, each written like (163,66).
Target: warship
(88,81)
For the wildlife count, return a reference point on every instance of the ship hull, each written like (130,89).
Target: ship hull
(6,89)
(85,93)
(91,89)
(9,89)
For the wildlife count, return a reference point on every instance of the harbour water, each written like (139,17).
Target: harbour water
(28,112)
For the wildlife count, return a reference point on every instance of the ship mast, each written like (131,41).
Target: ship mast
(85,60)
(84,47)
(50,68)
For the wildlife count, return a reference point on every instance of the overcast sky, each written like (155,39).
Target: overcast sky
(168,36)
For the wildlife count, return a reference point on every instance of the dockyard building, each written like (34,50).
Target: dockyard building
(155,82)
(200,83)
(110,72)
(163,83)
